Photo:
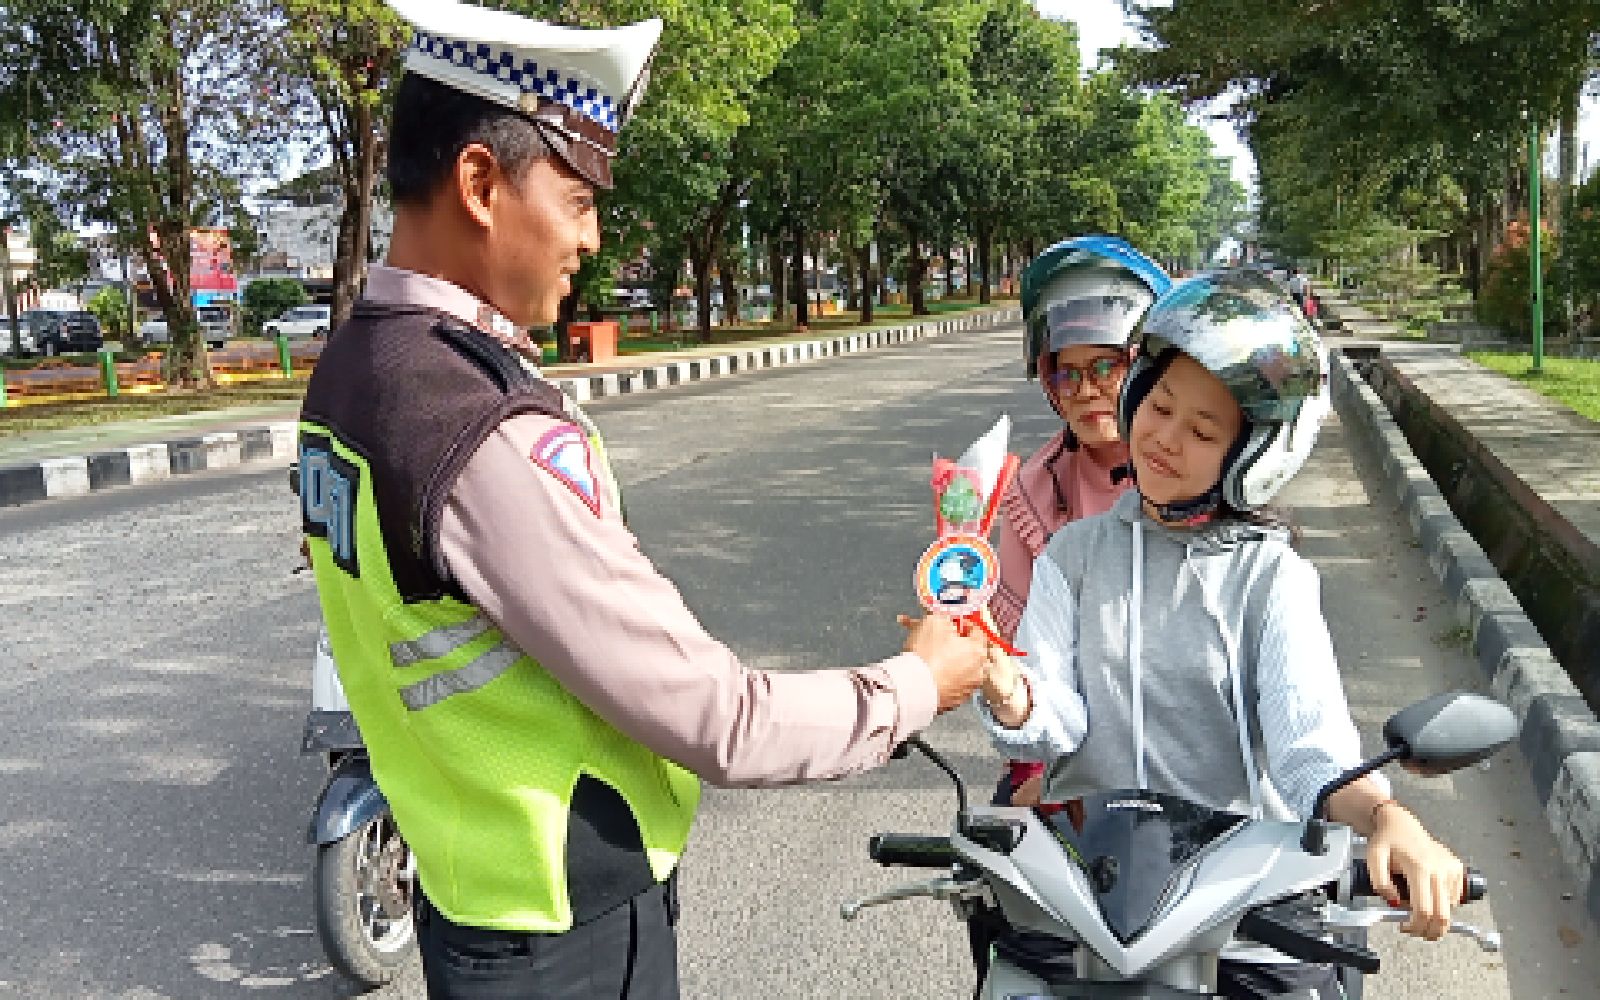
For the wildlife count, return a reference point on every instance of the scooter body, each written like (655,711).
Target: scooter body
(1146,892)
(365,877)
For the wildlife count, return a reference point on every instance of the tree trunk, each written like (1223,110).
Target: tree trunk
(816,272)
(949,271)
(14,330)
(916,271)
(801,312)
(728,270)
(355,221)
(700,265)
(868,291)
(983,259)
(851,301)
(187,364)
(777,278)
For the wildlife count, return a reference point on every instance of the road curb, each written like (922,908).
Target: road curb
(1560,735)
(50,478)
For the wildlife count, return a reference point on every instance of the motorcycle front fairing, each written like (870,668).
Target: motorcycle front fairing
(1142,879)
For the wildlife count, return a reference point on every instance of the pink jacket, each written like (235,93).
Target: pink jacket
(1032,509)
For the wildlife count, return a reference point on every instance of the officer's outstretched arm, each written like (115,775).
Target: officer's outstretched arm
(532,536)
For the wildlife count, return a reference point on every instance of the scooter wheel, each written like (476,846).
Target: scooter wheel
(363,885)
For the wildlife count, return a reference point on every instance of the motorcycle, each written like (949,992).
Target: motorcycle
(1146,891)
(364,878)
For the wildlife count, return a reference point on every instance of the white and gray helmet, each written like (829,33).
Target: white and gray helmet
(1243,328)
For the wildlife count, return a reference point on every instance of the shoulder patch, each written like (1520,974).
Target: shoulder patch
(564,453)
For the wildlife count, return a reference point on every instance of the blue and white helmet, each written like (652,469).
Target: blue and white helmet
(1086,290)
(1242,327)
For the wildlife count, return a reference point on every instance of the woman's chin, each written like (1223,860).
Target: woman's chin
(1095,433)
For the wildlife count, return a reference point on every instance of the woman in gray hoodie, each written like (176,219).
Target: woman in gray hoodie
(1147,625)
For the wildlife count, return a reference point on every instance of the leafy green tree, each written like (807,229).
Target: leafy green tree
(134,113)
(347,54)
(1377,103)
(110,306)
(268,298)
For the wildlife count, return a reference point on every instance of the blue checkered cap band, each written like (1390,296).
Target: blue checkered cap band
(501,74)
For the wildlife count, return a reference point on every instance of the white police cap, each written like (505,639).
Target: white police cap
(579,84)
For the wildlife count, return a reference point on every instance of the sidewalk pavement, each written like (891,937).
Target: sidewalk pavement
(1521,470)
(42,465)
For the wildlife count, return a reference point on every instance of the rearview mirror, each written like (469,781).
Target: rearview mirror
(1450,731)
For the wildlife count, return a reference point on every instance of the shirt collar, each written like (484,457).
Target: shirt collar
(396,286)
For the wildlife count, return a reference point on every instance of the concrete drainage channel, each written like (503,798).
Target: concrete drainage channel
(1560,735)
(50,478)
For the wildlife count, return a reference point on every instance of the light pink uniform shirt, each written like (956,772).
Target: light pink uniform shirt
(572,590)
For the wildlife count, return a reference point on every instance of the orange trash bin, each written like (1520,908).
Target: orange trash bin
(593,341)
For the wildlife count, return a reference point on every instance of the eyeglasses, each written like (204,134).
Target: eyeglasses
(1066,380)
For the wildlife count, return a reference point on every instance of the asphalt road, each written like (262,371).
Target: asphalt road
(157,646)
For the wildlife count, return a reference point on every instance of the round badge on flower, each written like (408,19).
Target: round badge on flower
(957,575)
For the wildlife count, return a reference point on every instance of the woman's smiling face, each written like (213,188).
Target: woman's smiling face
(1182,432)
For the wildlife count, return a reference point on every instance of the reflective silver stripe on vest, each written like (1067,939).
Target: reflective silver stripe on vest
(491,664)
(440,642)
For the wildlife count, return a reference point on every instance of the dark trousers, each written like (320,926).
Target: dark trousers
(627,953)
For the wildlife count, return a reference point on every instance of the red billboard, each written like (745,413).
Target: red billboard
(211,261)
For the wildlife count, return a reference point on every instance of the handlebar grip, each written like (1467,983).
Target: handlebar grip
(1474,888)
(911,850)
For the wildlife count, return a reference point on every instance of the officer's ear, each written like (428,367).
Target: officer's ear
(477,174)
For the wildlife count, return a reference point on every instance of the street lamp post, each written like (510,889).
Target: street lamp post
(1536,278)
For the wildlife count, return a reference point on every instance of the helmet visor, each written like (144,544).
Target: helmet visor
(1094,305)
(1247,333)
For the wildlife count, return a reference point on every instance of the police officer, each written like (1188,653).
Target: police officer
(536,698)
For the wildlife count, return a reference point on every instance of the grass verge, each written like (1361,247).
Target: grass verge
(89,412)
(1573,381)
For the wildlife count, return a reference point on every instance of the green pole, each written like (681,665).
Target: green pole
(622,323)
(283,357)
(108,372)
(3,401)
(1535,171)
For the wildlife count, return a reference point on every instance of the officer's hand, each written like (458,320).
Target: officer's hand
(958,661)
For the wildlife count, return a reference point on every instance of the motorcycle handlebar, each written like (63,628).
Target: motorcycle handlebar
(1473,889)
(911,850)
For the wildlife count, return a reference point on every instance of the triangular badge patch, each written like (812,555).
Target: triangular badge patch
(564,453)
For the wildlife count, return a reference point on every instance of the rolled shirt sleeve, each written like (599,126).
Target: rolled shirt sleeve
(571,588)
(1058,720)
(1305,720)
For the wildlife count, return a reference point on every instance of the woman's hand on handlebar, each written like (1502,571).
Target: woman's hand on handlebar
(1435,877)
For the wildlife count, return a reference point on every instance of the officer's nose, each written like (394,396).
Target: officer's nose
(589,238)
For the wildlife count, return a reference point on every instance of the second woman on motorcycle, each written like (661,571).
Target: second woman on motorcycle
(1081,300)
(1147,627)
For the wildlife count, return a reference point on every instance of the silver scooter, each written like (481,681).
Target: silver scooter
(1146,891)
(364,878)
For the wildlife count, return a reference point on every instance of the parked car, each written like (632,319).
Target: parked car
(216,324)
(299,322)
(24,342)
(59,331)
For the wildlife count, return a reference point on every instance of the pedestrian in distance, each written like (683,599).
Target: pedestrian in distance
(1182,626)
(1299,287)
(538,703)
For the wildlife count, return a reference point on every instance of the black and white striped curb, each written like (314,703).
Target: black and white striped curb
(1560,735)
(754,358)
(145,463)
(75,476)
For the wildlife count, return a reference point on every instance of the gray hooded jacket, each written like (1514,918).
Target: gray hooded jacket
(1141,639)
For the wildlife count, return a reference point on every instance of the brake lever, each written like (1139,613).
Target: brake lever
(1337,917)
(944,888)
